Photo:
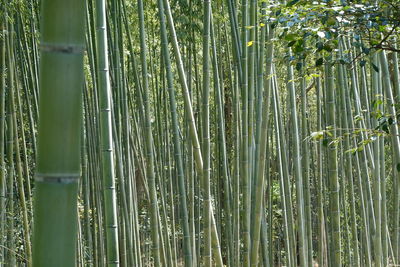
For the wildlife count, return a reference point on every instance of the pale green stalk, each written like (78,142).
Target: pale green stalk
(177,145)
(334,207)
(149,141)
(206,136)
(192,125)
(298,175)
(106,142)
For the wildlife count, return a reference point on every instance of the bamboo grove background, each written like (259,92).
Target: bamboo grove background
(214,133)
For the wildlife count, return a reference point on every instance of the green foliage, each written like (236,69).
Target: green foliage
(310,27)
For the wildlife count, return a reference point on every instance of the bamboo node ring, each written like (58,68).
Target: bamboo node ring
(57,179)
(62,48)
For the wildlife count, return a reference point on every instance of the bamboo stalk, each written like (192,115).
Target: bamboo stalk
(58,162)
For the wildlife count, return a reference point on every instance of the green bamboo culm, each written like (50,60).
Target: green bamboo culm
(150,164)
(2,141)
(58,158)
(333,170)
(206,135)
(106,136)
(177,149)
